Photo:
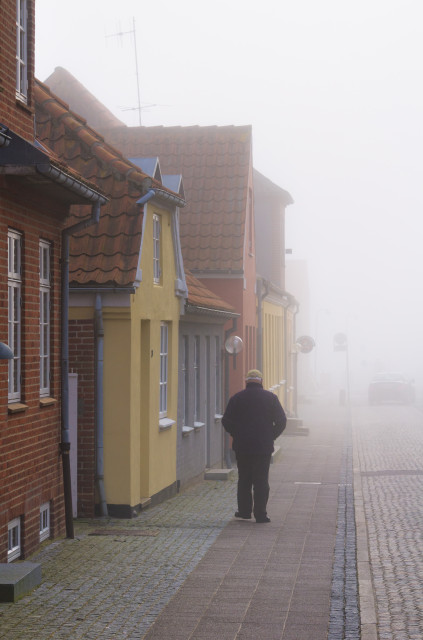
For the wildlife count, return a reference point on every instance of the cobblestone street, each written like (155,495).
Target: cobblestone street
(389,443)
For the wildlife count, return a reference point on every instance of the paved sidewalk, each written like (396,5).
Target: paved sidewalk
(188,569)
(271,581)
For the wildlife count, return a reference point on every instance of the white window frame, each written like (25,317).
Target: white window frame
(44,521)
(157,230)
(14,285)
(22,50)
(45,287)
(185,378)
(217,377)
(164,368)
(14,540)
(197,373)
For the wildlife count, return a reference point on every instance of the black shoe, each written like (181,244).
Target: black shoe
(239,515)
(260,520)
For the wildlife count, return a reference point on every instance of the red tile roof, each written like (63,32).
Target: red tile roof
(202,298)
(108,253)
(215,164)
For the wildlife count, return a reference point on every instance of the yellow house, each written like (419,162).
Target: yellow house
(276,308)
(127,288)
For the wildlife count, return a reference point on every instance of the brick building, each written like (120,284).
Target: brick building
(36,192)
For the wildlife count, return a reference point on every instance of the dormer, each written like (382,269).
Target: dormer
(17,21)
(149,166)
(175,183)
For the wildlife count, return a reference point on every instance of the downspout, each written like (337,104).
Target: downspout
(262,292)
(65,431)
(146,197)
(99,332)
(295,373)
(227,448)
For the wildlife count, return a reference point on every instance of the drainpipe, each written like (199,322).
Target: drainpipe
(228,332)
(99,330)
(262,291)
(146,197)
(65,432)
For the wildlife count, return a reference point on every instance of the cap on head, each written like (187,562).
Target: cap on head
(254,375)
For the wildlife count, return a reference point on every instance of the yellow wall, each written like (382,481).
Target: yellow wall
(139,459)
(274,370)
(152,305)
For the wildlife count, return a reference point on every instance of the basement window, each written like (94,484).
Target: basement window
(44,521)
(14,540)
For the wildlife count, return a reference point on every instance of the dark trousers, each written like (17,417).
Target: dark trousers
(253,480)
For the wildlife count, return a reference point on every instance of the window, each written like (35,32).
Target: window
(218,383)
(21,50)
(44,521)
(185,377)
(196,378)
(14,284)
(156,248)
(164,345)
(45,284)
(14,540)
(250,221)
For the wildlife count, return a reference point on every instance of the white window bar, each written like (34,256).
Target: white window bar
(164,340)
(14,314)
(196,378)
(185,378)
(21,50)
(156,248)
(45,285)
(218,383)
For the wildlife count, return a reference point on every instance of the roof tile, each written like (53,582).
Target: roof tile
(108,253)
(215,163)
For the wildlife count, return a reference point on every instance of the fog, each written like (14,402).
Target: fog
(333,91)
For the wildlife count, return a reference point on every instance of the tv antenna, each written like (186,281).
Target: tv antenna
(134,35)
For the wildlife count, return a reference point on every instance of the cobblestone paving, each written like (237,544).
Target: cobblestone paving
(114,586)
(344,614)
(390,447)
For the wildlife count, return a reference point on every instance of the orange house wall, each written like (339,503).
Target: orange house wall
(244,302)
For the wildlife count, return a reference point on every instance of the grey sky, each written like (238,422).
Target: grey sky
(333,90)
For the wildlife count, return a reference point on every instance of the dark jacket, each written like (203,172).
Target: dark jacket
(254,418)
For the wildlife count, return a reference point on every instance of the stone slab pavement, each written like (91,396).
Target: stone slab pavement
(188,569)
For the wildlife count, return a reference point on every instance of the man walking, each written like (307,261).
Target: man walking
(254,418)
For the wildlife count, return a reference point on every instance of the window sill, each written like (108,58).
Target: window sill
(21,103)
(199,425)
(16,407)
(47,401)
(186,431)
(165,424)
(218,417)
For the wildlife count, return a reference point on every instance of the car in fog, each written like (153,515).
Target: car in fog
(391,387)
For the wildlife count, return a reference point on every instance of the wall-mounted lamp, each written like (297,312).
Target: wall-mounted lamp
(234,345)
(6,352)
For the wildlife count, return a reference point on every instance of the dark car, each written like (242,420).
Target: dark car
(391,387)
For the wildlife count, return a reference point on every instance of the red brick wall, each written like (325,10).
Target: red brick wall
(30,464)
(82,362)
(15,114)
